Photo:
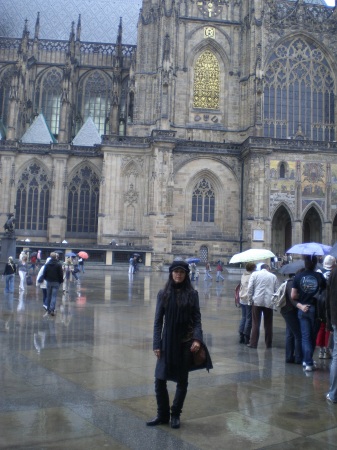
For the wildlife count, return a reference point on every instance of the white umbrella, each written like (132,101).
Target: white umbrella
(253,254)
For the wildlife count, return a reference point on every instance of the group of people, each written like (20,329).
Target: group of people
(310,312)
(50,277)
(194,271)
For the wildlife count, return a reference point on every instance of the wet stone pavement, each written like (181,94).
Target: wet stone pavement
(84,379)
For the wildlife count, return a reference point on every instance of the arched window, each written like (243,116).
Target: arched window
(94,99)
(282,170)
(206,84)
(203,201)
(298,93)
(48,99)
(5,86)
(32,199)
(83,199)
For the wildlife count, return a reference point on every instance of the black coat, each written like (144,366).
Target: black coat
(53,272)
(160,331)
(331,303)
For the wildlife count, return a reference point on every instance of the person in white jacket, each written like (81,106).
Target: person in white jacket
(261,287)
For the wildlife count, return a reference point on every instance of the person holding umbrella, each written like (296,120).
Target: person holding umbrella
(306,286)
(82,256)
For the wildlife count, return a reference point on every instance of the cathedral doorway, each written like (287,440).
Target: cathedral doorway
(281,231)
(312,226)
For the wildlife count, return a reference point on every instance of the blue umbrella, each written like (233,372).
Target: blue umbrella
(192,260)
(310,248)
(71,254)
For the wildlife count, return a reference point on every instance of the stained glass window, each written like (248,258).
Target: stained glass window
(83,201)
(48,98)
(32,199)
(206,85)
(203,202)
(299,93)
(94,99)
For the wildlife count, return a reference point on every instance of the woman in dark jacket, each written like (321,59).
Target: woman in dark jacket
(293,328)
(9,274)
(175,340)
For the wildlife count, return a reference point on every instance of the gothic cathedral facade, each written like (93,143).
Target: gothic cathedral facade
(216,132)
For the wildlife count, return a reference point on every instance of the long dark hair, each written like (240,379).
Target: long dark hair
(185,289)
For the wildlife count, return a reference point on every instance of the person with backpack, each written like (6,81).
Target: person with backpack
(306,286)
(293,345)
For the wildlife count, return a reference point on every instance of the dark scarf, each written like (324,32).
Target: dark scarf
(177,318)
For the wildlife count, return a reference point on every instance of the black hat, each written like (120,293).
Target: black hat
(179,265)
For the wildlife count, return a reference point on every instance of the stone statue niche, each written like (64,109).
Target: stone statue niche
(8,241)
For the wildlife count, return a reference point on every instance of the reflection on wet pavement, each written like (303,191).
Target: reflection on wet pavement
(84,379)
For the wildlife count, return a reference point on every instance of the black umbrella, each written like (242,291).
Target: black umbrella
(293,267)
(33,254)
(58,251)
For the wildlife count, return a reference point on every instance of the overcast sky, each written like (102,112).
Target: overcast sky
(330,2)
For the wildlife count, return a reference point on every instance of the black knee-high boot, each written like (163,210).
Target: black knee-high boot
(179,399)
(163,402)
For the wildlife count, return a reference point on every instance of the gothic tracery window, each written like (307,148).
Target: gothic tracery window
(94,99)
(83,201)
(48,98)
(203,202)
(32,199)
(298,93)
(206,84)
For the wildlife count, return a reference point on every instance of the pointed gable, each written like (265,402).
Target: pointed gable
(88,134)
(38,132)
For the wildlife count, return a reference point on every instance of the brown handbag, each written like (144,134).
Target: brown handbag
(199,357)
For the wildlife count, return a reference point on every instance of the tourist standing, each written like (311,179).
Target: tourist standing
(23,270)
(262,285)
(332,324)
(245,326)
(306,286)
(9,274)
(177,335)
(53,274)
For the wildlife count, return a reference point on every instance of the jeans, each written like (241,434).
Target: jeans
(245,326)
(9,283)
(218,276)
(333,368)
(207,275)
(293,337)
(52,290)
(22,275)
(307,324)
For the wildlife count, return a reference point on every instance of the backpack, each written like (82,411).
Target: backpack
(237,295)
(279,297)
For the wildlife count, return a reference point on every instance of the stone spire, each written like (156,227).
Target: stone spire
(37,27)
(79,28)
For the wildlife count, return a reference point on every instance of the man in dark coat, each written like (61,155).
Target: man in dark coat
(331,305)
(53,274)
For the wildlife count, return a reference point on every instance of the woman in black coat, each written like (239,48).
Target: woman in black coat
(176,341)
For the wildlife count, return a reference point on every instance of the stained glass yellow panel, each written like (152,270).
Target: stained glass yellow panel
(206,86)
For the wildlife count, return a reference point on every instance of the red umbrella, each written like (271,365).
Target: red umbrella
(83,255)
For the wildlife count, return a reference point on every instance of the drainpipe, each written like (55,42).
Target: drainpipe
(241,206)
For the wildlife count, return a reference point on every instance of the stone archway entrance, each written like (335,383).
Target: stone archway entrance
(281,231)
(312,226)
